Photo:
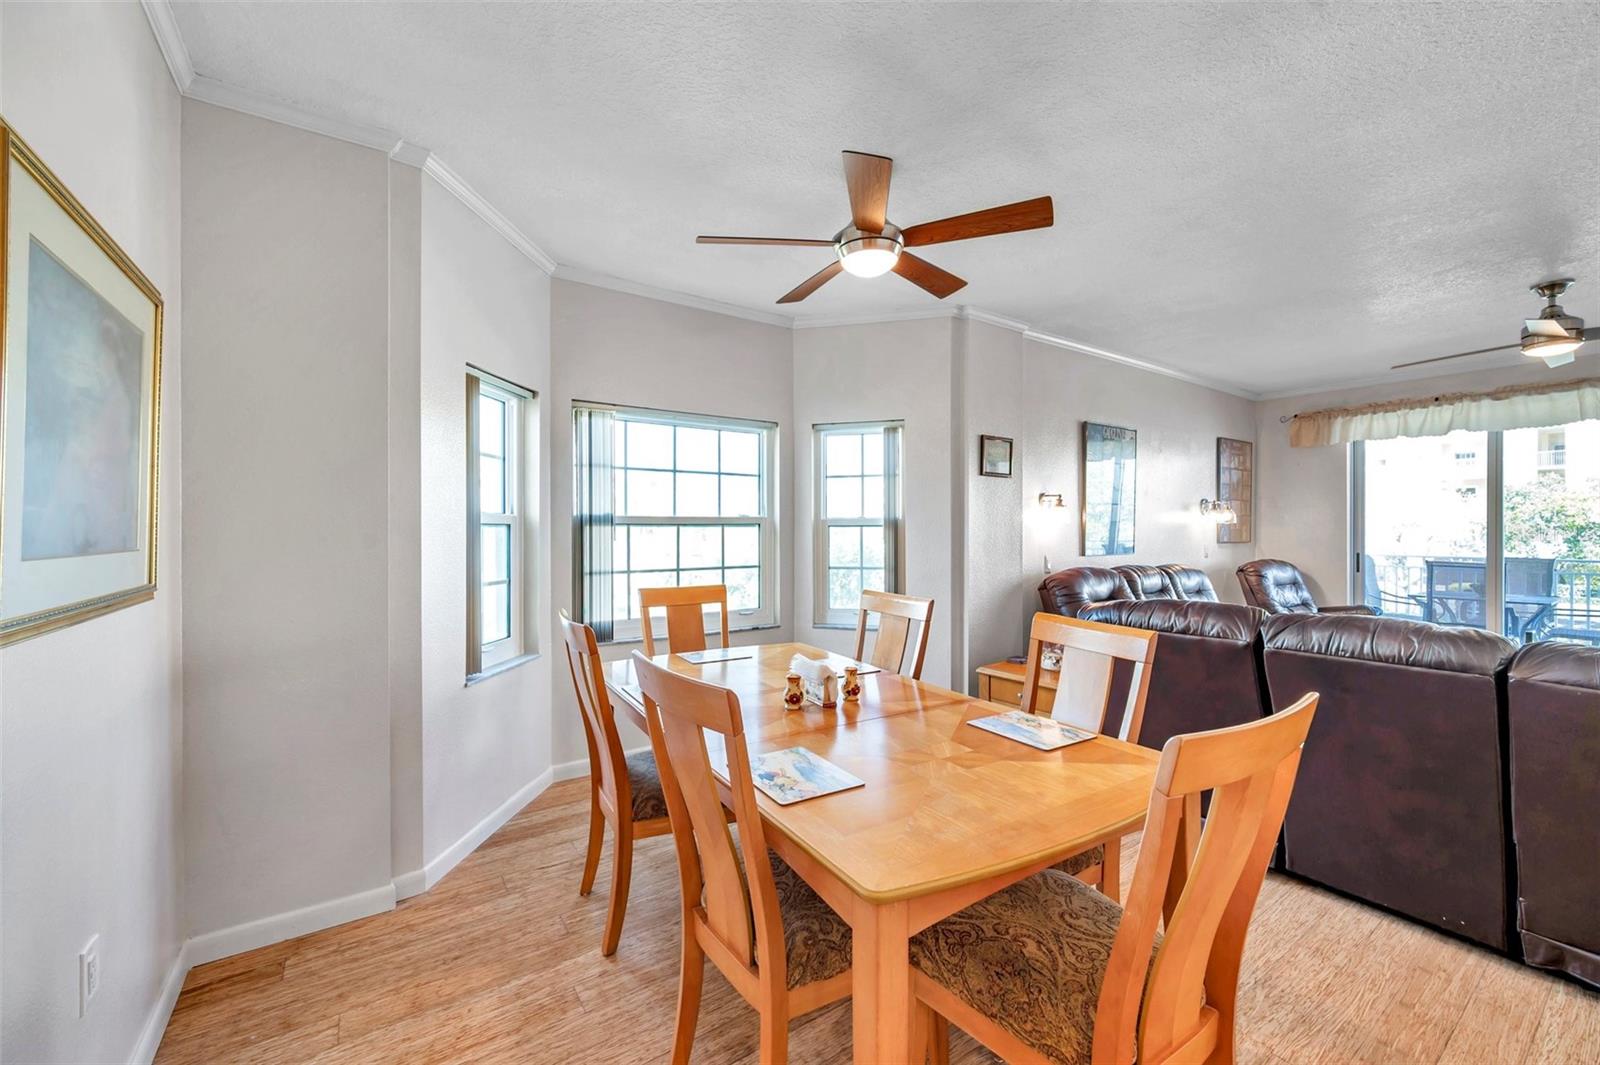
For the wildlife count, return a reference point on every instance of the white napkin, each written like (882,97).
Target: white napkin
(811,670)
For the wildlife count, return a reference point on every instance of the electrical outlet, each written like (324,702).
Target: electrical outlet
(88,974)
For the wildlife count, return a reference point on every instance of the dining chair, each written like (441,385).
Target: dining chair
(624,791)
(1049,970)
(1086,690)
(780,946)
(685,608)
(896,613)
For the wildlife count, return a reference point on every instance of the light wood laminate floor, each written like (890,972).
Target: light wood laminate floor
(501,962)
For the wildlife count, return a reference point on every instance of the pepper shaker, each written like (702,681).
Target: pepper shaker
(852,683)
(793,695)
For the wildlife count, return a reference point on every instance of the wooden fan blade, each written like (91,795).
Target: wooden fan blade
(922,273)
(1012,218)
(812,283)
(866,178)
(797,242)
(1457,355)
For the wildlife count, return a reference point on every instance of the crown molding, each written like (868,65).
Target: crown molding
(825,321)
(1137,364)
(221,94)
(164,24)
(453,183)
(974,314)
(666,295)
(412,155)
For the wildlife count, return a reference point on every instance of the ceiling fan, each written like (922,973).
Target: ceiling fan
(870,245)
(1555,336)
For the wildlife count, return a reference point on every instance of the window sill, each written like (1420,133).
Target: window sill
(639,640)
(500,667)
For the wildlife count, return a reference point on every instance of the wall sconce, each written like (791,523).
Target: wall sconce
(1051,500)
(1218,511)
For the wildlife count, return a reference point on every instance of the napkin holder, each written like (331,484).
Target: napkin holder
(817,679)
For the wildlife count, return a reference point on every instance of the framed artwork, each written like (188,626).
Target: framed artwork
(1110,489)
(1236,486)
(80,377)
(994,456)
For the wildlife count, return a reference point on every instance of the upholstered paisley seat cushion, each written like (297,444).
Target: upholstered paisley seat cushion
(649,801)
(1031,958)
(816,940)
(1079,862)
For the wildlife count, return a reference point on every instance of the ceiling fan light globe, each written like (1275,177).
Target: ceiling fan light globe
(870,256)
(1541,347)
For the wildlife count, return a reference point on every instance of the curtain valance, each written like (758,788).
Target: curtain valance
(1513,407)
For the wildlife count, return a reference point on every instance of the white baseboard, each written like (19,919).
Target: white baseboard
(275,929)
(408,884)
(144,1052)
(452,855)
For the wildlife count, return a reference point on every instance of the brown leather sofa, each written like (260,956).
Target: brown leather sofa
(1068,591)
(1553,710)
(1400,797)
(1278,587)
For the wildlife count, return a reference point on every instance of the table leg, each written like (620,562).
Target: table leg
(881,983)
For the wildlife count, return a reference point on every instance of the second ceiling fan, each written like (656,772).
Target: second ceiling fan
(870,245)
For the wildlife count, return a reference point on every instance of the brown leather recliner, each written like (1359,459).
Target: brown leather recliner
(1147,582)
(1205,674)
(1068,591)
(1278,587)
(1190,583)
(1399,796)
(1553,704)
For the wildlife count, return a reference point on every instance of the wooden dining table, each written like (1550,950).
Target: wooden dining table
(949,814)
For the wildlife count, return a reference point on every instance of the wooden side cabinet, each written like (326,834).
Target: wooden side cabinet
(1001,682)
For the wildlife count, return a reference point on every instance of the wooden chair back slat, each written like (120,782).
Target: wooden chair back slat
(1202,884)
(895,616)
(594,703)
(1090,652)
(685,610)
(740,899)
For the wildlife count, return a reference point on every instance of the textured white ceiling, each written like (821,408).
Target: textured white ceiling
(1271,195)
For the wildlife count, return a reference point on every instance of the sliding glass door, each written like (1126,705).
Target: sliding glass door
(1492,530)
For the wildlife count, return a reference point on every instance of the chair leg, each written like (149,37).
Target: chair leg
(925,1034)
(621,876)
(597,833)
(1111,871)
(774,1036)
(690,979)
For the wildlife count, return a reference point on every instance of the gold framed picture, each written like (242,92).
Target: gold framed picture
(80,401)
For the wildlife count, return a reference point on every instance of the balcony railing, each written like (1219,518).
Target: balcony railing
(1399,586)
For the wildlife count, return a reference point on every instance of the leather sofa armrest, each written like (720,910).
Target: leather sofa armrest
(1358,609)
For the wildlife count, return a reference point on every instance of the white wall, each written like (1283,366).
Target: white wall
(882,371)
(91,716)
(482,302)
(286,752)
(1307,490)
(613,347)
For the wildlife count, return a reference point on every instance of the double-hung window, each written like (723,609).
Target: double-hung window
(664,499)
(859,535)
(499,521)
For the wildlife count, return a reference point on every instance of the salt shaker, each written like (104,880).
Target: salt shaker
(793,695)
(852,683)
